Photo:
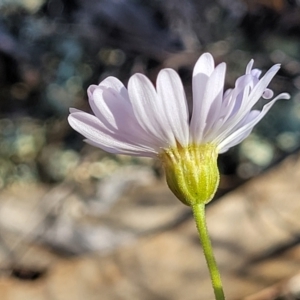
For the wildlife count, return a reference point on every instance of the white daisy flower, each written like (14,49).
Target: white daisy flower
(146,121)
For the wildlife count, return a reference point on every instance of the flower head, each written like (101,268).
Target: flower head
(144,121)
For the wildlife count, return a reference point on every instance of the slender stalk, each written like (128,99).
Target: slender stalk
(199,216)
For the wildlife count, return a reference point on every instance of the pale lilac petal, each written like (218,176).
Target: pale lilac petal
(122,150)
(216,107)
(173,101)
(256,73)
(96,132)
(114,109)
(260,88)
(202,71)
(232,102)
(252,119)
(249,66)
(212,96)
(115,93)
(240,132)
(244,102)
(71,110)
(240,92)
(114,90)
(236,141)
(91,90)
(230,106)
(108,106)
(250,93)
(115,85)
(230,128)
(142,121)
(148,111)
(204,65)
(268,94)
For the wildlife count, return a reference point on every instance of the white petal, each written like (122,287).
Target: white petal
(173,101)
(148,111)
(96,132)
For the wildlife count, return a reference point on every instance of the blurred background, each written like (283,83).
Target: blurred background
(68,209)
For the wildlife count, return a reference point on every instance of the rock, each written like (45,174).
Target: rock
(254,230)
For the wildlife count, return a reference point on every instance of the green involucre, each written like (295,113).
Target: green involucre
(192,173)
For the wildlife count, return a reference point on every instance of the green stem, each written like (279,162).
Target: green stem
(199,216)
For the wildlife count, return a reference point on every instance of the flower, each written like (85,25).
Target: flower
(144,121)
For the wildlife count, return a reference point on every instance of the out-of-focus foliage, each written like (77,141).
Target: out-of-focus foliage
(50,51)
